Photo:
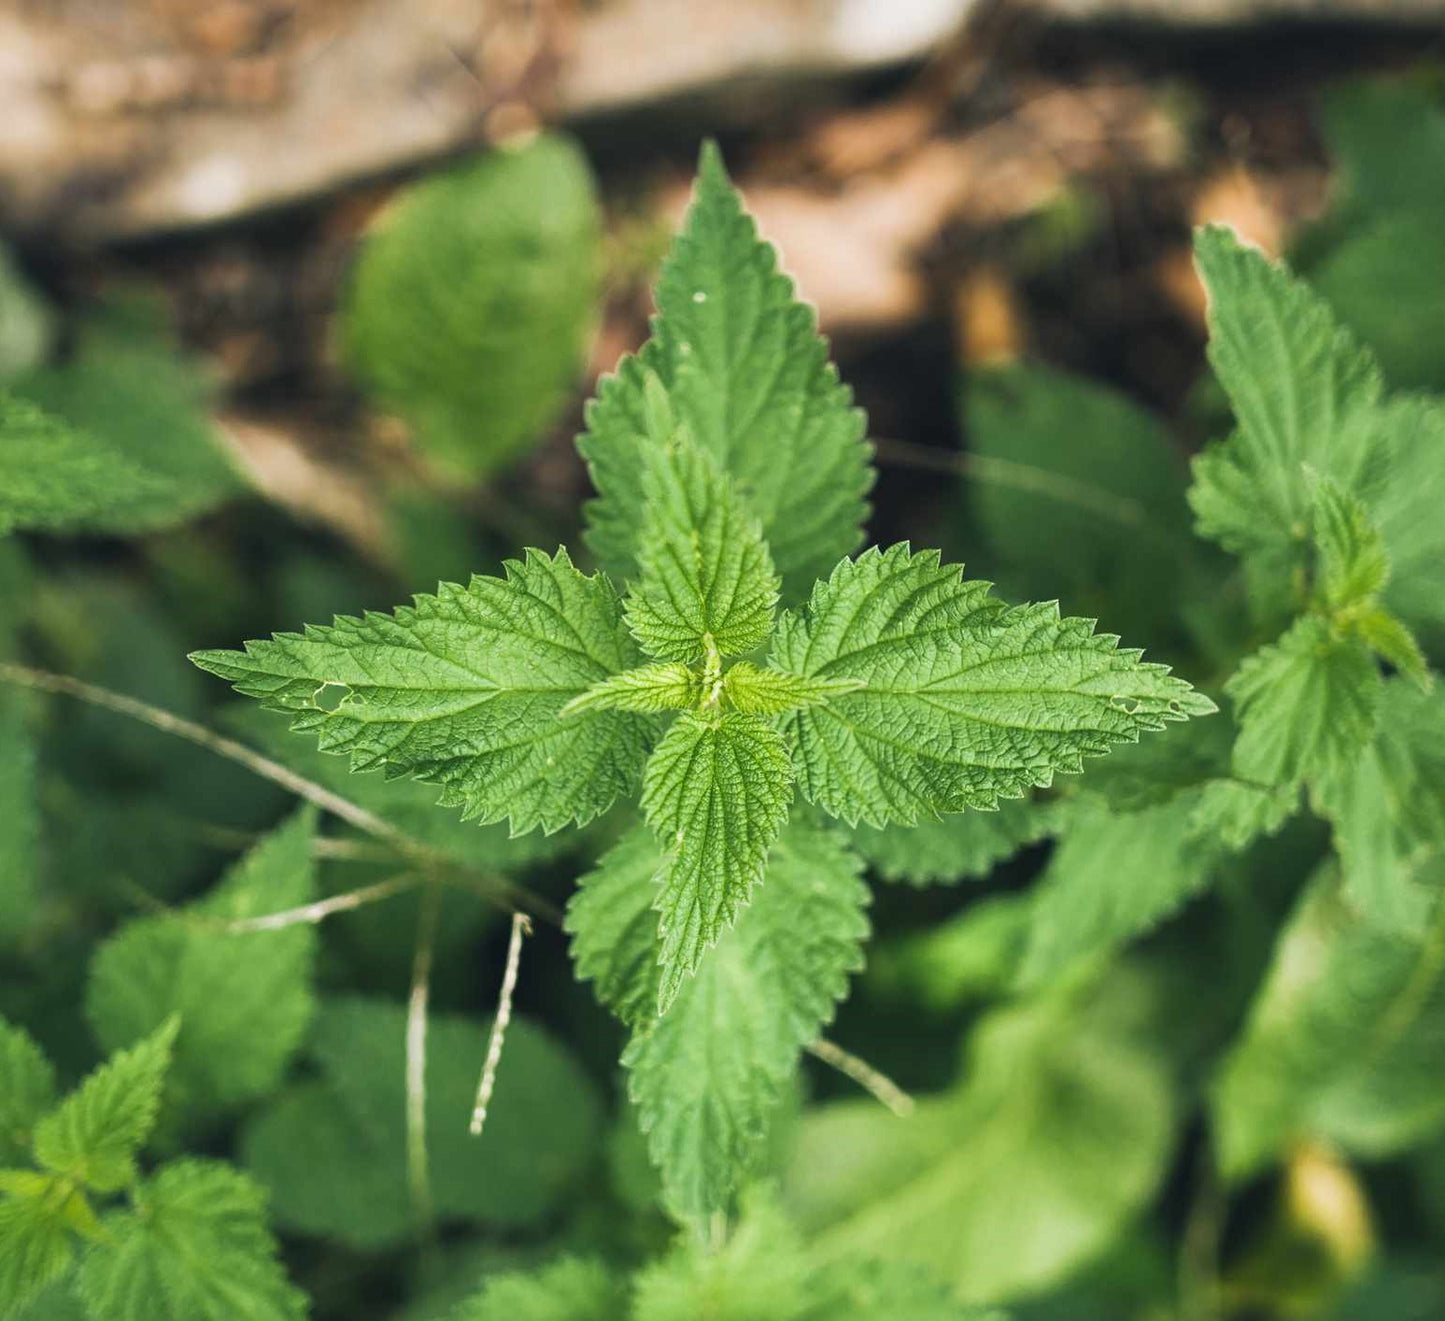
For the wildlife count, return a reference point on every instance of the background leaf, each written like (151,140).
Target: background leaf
(472,298)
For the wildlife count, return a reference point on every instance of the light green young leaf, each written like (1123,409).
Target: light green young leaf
(965,700)
(1113,877)
(53,476)
(709,1075)
(961,846)
(1346,1040)
(716,794)
(27,1090)
(748,376)
(1387,806)
(36,1245)
(129,387)
(470,305)
(463,688)
(93,1135)
(756,690)
(1057,1135)
(649,688)
(1080,493)
(705,584)
(1304,392)
(1394,644)
(244,1000)
(573,1289)
(332,1150)
(196,1249)
(1353,571)
(1306,705)
(1353,563)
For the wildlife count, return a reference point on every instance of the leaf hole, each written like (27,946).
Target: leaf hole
(330,696)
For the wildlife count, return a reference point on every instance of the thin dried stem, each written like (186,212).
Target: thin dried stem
(878,1085)
(1018,476)
(520,927)
(324,908)
(417,1168)
(503,893)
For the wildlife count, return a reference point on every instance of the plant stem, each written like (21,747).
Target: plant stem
(417,1170)
(520,927)
(503,893)
(878,1085)
(324,908)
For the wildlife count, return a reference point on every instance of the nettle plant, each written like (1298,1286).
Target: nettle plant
(761,714)
(731,469)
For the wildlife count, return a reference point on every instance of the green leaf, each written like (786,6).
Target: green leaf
(973,956)
(462,690)
(53,476)
(1079,491)
(408,804)
(1353,563)
(1387,806)
(1236,812)
(469,307)
(1057,1136)
(613,926)
(649,688)
(1381,281)
(1303,392)
(1305,704)
(705,583)
(1387,138)
(1406,510)
(756,690)
(716,794)
(195,1249)
(1112,878)
(93,1135)
(764,1272)
(128,386)
(708,1076)
(965,700)
(27,1090)
(760,1272)
(244,1000)
(1346,1040)
(332,1150)
(958,847)
(748,376)
(573,1289)
(19,841)
(36,1246)
(887,1291)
